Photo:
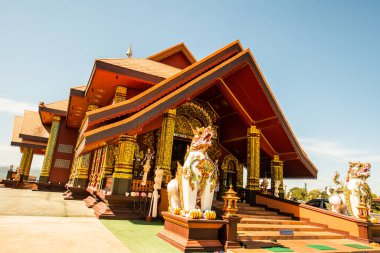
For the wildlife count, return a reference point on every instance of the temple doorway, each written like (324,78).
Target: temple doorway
(231,180)
(230,170)
(178,153)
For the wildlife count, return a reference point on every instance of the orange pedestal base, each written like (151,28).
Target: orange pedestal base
(191,235)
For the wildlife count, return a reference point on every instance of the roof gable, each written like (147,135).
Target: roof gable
(178,56)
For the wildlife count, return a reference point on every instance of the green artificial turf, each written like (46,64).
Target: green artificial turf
(320,247)
(357,246)
(278,249)
(139,236)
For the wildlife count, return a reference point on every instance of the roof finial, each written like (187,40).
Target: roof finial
(129,52)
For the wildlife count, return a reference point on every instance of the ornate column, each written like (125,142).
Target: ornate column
(277,175)
(122,175)
(26,160)
(253,162)
(28,163)
(274,164)
(82,167)
(107,165)
(45,172)
(280,176)
(165,144)
(95,167)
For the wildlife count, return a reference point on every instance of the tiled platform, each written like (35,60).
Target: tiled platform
(301,246)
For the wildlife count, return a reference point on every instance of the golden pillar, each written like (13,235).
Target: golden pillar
(253,158)
(45,172)
(280,176)
(26,161)
(165,144)
(276,174)
(122,175)
(95,167)
(106,166)
(82,168)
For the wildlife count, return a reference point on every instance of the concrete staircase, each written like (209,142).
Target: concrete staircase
(259,224)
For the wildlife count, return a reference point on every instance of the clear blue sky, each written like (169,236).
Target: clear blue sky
(320,58)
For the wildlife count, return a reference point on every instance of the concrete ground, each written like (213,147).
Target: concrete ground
(44,222)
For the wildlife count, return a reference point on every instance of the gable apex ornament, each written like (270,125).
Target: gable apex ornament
(129,51)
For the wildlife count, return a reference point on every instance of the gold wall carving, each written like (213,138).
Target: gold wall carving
(120,94)
(92,107)
(191,115)
(214,151)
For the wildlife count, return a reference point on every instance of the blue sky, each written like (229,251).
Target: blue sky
(320,58)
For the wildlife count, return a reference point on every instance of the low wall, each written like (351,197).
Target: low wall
(349,226)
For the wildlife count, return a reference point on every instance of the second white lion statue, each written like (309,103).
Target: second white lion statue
(354,193)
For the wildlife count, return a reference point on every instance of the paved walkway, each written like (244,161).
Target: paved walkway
(44,222)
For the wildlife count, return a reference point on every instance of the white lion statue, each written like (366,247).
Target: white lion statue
(197,178)
(354,193)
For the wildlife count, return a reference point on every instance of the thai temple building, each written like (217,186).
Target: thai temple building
(97,138)
(104,142)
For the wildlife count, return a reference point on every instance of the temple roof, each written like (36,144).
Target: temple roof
(238,81)
(22,142)
(144,66)
(32,127)
(47,111)
(148,96)
(136,74)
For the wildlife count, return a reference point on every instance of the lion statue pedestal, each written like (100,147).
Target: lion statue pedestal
(191,235)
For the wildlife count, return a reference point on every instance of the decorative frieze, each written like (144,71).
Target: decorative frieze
(62,163)
(65,148)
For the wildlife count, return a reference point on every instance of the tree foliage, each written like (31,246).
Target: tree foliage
(298,193)
(301,194)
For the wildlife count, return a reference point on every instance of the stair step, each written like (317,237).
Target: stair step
(246,208)
(275,217)
(277,227)
(266,213)
(298,235)
(272,221)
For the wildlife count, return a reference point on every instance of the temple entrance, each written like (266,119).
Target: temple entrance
(231,173)
(230,180)
(178,153)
